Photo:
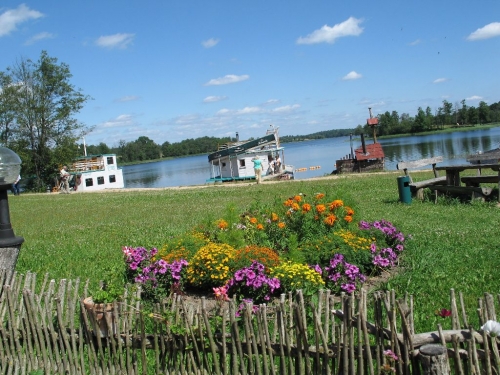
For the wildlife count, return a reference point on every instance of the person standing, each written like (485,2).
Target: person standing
(15,185)
(257,167)
(64,180)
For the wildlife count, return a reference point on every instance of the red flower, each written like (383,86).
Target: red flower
(444,313)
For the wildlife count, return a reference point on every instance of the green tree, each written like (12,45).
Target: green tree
(43,130)
(472,115)
(447,112)
(484,113)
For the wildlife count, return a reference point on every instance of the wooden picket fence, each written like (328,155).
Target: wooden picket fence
(46,329)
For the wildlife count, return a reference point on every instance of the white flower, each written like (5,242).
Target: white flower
(492,327)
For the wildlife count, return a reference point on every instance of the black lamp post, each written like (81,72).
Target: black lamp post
(10,244)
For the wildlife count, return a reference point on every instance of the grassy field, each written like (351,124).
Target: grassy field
(453,244)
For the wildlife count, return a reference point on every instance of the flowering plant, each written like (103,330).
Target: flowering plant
(157,277)
(343,276)
(294,276)
(211,266)
(385,232)
(389,359)
(245,256)
(253,283)
(492,327)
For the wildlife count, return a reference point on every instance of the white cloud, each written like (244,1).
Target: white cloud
(115,41)
(38,37)
(230,78)
(474,98)
(489,31)
(209,43)
(351,76)
(286,108)
(128,98)
(440,80)
(415,42)
(121,120)
(328,34)
(10,19)
(237,112)
(213,99)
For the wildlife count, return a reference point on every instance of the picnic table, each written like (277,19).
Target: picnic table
(472,183)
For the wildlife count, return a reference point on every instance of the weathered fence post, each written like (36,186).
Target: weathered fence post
(434,359)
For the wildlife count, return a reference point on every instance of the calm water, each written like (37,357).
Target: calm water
(195,170)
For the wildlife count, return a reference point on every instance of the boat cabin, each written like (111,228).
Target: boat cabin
(96,172)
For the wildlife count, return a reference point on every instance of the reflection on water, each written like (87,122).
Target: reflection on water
(323,153)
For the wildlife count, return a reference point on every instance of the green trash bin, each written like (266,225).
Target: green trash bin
(404,189)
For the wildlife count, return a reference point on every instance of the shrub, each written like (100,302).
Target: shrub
(211,266)
(341,276)
(294,276)
(246,256)
(252,283)
(182,247)
(157,277)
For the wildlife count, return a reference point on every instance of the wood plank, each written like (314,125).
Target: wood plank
(463,190)
(473,180)
(427,183)
(419,163)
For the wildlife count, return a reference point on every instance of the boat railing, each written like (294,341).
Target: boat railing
(88,165)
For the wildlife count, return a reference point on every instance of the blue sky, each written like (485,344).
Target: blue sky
(172,70)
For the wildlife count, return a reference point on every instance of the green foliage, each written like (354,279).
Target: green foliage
(67,237)
(41,110)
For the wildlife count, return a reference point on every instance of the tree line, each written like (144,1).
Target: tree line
(38,105)
(460,114)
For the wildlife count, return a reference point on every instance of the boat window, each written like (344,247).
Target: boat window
(242,162)
(110,160)
(100,180)
(112,178)
(89,182)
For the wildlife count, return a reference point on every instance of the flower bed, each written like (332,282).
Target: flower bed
(306,242)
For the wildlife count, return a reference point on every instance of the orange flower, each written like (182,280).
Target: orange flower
(330,220)
(222,224)
(274,217)
(348,218)
(316,217)
(253,220)
(288,202)
(295,207)
(349,211)
(260,227)
(297,198)
(320,208)
(306,207)
(319,196)
(281,225)
(336,203)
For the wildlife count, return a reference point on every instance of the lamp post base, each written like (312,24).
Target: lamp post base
(8,257)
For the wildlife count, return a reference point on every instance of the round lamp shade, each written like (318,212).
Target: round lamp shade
(10,166)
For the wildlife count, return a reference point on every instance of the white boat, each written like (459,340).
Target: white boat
(233,161)
(96,172)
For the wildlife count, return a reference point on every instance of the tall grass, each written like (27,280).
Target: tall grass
(453,244)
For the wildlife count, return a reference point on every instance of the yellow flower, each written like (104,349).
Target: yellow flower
(274,217)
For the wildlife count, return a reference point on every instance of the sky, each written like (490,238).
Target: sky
(177,69)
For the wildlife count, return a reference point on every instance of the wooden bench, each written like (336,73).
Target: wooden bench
(474,192)
(417,188)
(476,180)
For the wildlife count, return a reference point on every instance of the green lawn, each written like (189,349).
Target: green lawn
(452,245)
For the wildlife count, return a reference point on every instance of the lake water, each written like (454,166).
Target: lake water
(323,153)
